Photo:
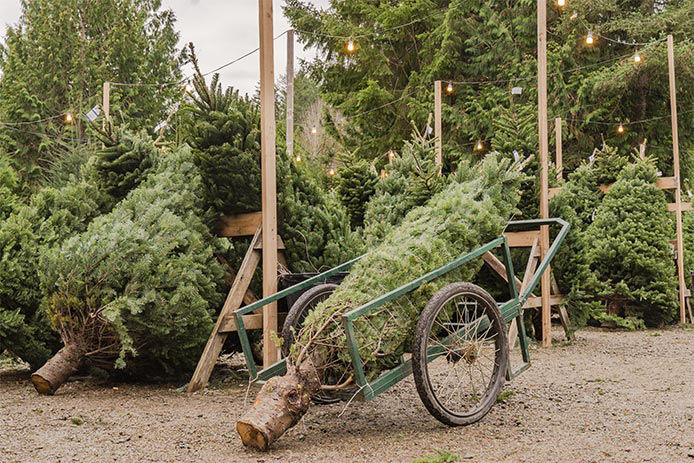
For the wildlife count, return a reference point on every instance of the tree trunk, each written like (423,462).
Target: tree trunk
(57,370)
(280,404)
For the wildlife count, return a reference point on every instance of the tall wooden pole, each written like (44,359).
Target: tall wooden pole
(558,142)
(269,179)
(544,167)
(290,93)
(676,163)
(106,104)
(437,125)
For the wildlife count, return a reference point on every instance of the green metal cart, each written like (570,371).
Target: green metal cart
(460,355)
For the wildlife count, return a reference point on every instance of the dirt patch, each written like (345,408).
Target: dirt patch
(607,397)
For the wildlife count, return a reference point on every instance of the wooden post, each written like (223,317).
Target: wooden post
(269,178)
(106,104)
(290,93)
(676,164)
(642,149)
(558,141)
(437,124)
(544,167)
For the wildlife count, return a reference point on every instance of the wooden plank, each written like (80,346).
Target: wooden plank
(250,322)
(230,226)
(280,244)
(498,267)
(249,297)
(269,177)
(106,104)
(553,192)
(672,207)
(534,302)
(605,188)
(559,162)
(676,165)
(563,313)
(544,163)
(523,239)
(290,94)
(529,270)
(437,125)
(233,301)
(666,183)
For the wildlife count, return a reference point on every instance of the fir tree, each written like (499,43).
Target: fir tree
(628,250)
(356,183)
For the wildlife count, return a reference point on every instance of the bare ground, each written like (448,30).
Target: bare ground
(607,397)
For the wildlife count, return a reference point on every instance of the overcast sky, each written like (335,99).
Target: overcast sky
(221,31)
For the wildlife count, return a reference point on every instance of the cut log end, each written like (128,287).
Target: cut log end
(252,436)
(57,370)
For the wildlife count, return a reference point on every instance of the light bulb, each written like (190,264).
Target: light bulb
(350,47)
(479,146)
(331,172)
(384,173)
(314,130)
(561,3)
(298,158)
(637,57)
(68,118)
(450,89)
(589,38)
(620,129)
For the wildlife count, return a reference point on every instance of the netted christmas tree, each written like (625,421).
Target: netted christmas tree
(52,215)
(628,252)
(137,290)
(461,217)
(356,183)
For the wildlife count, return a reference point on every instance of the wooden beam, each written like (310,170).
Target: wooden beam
(269,178)
(250,322)
(666,183)
(230,226)
(676,165)
(544,165)
(106,104)
(534,302)
(437,125)
(280,244)
(672,207)
(605,188)
(559,163)
(553,192)
(290,94)
(499,267)
(233,301)
(529,271)
(642,150)
(522,239)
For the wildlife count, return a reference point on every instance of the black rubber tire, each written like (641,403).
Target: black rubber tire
(297,313)
(295,319)
(419,354)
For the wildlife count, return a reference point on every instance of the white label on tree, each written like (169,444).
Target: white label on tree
(160,126)
(93,113)
(516,90)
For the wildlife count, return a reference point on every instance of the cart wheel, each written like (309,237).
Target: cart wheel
(295,318)
(464,335)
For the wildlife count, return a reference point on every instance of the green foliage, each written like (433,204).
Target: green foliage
(356,183)
(628,250)
(442,456)
(460,218)
(57,57)
(8,185)
(122,163)
(138,288)
(52,216)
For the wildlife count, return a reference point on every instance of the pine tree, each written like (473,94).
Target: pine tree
(356,183)
(628,250)
(136,291)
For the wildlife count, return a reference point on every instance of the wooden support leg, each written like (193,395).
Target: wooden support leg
(233,302)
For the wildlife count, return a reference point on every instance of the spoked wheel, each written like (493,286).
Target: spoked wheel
(460,354)
(295,318)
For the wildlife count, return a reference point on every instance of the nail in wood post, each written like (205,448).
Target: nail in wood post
(269,179)
(676,163)
(437,124)
(544,148)
(290,93)
(558,141)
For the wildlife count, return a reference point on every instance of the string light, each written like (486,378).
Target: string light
(314,130)
(620,129)
(68,118)
(479,146)
(384,173)
(589,38)
(331,172)
(449,88)
(637,57)
(561,3)
(298,158)
(350,47)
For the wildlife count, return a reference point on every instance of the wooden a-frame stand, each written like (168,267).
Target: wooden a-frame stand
(235,226)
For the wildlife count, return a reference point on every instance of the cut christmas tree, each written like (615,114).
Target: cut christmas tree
(471,211)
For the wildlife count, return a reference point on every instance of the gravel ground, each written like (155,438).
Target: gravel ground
(606,397)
